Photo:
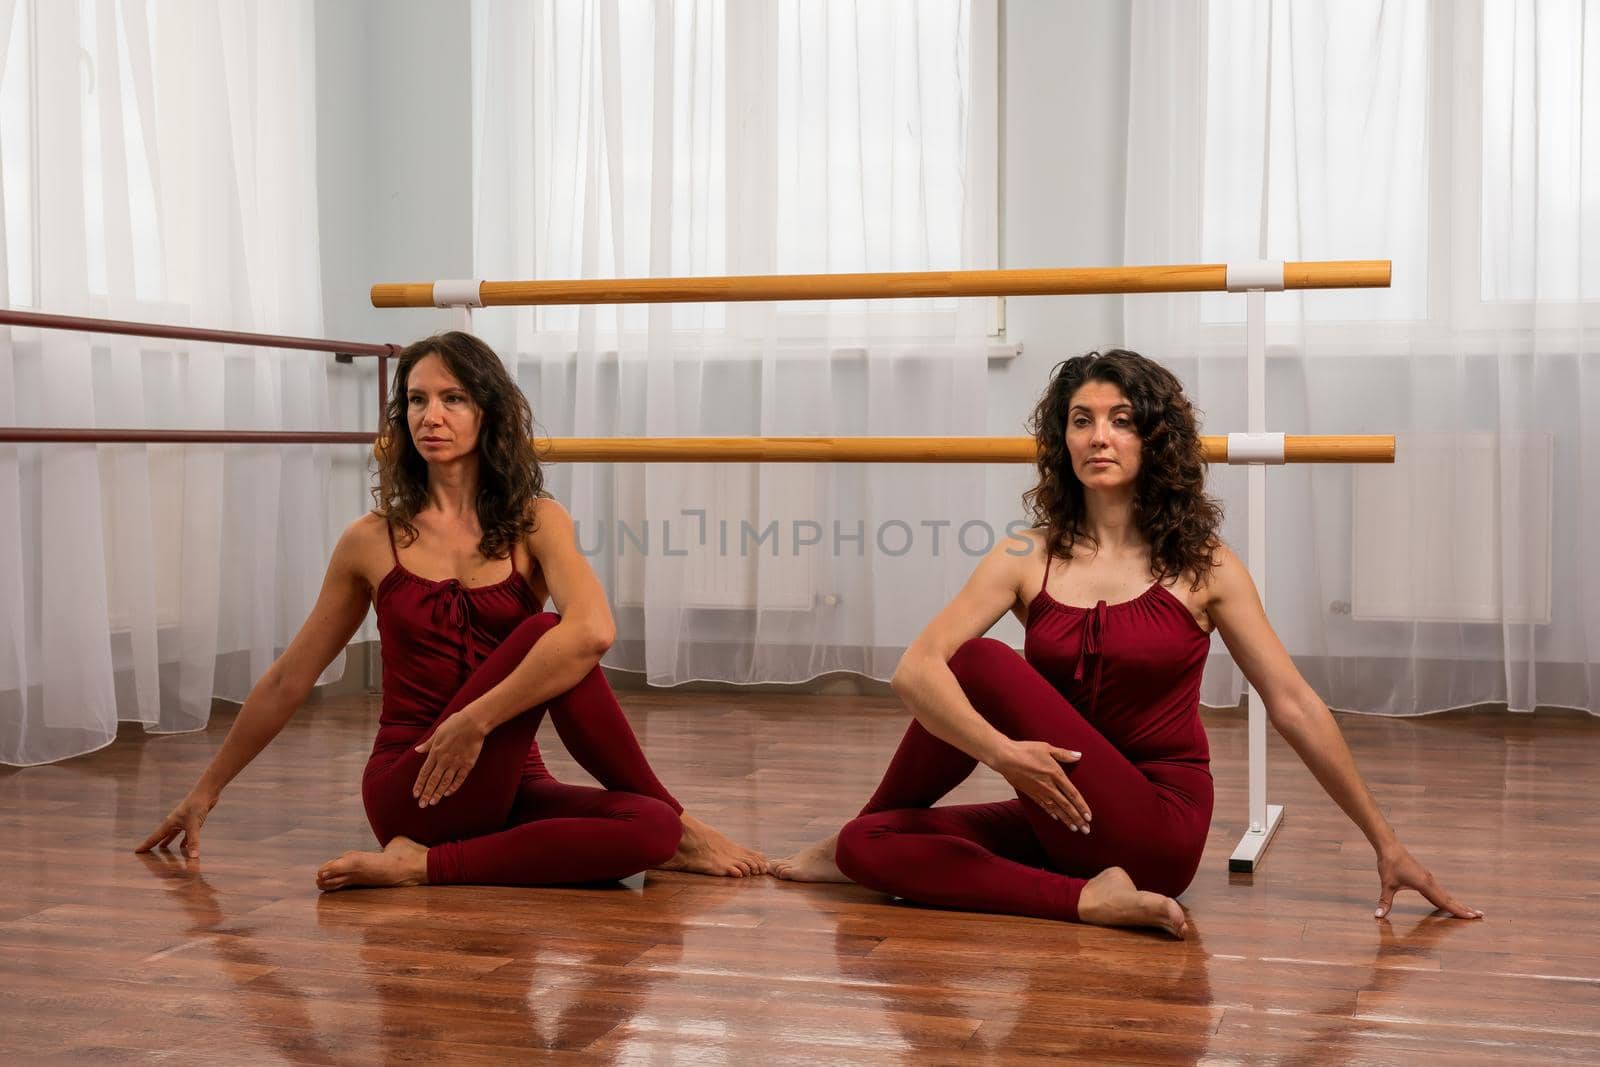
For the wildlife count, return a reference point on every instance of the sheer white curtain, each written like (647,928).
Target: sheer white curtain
(157,161)
(617,139)
(1459,141)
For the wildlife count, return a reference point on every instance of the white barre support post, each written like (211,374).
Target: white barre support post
(1255,279)
(463,294)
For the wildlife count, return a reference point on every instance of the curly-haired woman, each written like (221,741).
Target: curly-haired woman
(458,558)
(1097,725)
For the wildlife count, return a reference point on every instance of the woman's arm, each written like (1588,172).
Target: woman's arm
(924,681)
(558,661)
(1300,716)
(277,695)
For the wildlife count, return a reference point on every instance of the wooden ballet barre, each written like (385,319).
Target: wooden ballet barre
(1191,278)
(1376,448)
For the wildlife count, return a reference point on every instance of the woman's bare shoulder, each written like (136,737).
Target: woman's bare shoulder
(1201,592)
(368,525)
(549,518)
(553,532)
(1015,562)
(544,508)
(1225,568)
(363,549)
(367,533)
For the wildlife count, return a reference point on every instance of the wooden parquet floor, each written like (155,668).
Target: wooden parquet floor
(110,957)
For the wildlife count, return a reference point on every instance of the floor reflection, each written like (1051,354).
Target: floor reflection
(506,969)
(278,1008)
(1046,990)
(1328,1029)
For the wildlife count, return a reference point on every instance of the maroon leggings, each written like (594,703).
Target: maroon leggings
(510,822)
(1011,857)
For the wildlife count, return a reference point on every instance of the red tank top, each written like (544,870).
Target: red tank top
(433,633)
(1131,669)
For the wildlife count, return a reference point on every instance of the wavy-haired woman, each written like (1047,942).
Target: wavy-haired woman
(1097,725)
(458,558)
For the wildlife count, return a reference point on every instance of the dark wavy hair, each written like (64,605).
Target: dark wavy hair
(1170,507)
(509,475)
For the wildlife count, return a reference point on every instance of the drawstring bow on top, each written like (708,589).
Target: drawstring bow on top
(452,607)
(1093,630)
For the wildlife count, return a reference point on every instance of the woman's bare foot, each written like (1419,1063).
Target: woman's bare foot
(704,850)
(814,863)
(402,862)
(1111,899)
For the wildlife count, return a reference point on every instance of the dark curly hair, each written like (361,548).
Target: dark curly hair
(509,475)
(1170,505)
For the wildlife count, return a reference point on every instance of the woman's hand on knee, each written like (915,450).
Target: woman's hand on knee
(1034,770)
(451,753)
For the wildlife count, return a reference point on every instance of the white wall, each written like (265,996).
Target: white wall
(394,180)
(394,142)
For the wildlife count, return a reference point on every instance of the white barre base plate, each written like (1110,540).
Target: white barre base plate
(1247,856)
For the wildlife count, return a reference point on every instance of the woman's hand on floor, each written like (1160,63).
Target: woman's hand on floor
(451,752)
(185,819)
(1398,870)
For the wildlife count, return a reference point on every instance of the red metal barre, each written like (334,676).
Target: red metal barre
(45,321)
(41,320)
(72,435)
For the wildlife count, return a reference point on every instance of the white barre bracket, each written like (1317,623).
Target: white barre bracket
(1263,274)
(463,294)
(1255,448)
(458,292)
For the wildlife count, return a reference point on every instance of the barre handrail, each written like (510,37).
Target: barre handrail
(1182,278)
(43,320)
(97,436)
(1309,448)
(49,321)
